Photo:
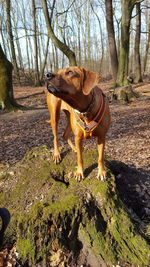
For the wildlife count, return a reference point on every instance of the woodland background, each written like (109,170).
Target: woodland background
(113,39)
(87,33)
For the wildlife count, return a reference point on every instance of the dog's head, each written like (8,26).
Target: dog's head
(71,81)
(73,85)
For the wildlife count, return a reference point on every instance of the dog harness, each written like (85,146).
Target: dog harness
(88,127)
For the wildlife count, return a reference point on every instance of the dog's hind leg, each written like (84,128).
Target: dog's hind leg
(67,132)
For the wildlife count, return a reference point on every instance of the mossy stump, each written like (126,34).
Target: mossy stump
(56,221)
(124,94)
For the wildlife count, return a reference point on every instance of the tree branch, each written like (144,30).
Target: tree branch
(65,11)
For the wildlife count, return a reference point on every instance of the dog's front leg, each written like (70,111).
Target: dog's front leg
(54,105)
(55,115)
(79,174)
(101,169)
(56,155)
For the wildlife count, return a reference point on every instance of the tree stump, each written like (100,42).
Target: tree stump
(56,221)
(123,94)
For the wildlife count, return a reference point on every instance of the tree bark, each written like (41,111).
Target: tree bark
(4,44)
(11,38)
(36,67)
(101,38)
(27,43)
(62,46)
(126,10)
(78,23)
(45,60)
(137,58)
(20,58)
(6,88)
(146,61)
(111,38)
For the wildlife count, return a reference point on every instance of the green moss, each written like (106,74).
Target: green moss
(26,249)
(2,198)
(36,224)
(90,157)
(99,187)
(128,241)
(67,204)
(48,207)
(99,242)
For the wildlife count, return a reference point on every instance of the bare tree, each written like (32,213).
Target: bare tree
(36,65)
(101,37)
(147,52)
(78,19)
(11,38)
(6,88)
(111,38)
(59,44)
(126,10)
(23,15)
(2,23)
(137,58)
(16,40)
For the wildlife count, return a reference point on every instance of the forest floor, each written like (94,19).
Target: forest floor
(128,140)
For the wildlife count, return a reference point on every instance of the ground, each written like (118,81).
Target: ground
(128,142)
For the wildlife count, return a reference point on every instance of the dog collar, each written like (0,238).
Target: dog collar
(87,110)
(88,127)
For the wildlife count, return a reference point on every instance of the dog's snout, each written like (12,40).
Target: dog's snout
(49,75)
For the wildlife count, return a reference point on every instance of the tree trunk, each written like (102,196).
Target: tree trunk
(12,46)
(4,44)
(45,60)
(126,7)
(66,223)
(137,58)
(20,58)
(36,66)
(101,38)
(62,46)
(147,54)
(78,23)
(6,88)
(111,38)
(27,43)
(88,30)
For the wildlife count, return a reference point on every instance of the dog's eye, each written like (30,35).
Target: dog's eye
(69,72)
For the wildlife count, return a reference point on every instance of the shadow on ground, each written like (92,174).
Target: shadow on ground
(134,187)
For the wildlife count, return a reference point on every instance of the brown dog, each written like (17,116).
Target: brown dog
(86,108)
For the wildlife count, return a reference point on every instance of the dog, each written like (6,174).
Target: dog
(76,90)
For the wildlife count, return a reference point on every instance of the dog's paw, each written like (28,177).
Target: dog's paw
(103,179)
(102,176)
(79,176)
(57,158)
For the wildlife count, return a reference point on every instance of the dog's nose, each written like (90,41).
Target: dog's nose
(49,75)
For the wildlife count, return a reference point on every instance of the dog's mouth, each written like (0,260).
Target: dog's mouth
(54,89)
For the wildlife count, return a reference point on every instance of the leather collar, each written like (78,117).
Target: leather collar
(88,127)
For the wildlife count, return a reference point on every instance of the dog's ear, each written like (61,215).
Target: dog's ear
(90,79)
